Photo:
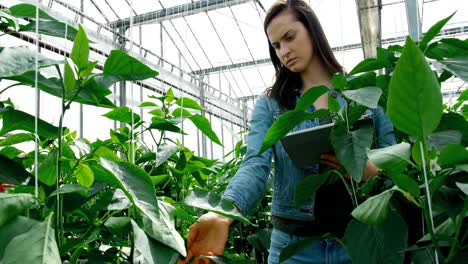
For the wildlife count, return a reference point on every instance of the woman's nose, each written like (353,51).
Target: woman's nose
(284,50)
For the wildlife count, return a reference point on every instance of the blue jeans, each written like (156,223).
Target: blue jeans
(320,252)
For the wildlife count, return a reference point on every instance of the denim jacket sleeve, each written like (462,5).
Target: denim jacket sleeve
(249,183)
(383,129)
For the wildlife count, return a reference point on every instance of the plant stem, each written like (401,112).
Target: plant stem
(429,203)
(11,86)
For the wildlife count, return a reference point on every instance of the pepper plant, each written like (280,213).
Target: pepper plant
(112,200)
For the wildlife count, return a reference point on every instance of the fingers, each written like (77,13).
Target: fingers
(193,232)
(331,164)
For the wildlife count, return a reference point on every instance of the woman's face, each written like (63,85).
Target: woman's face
(291,41)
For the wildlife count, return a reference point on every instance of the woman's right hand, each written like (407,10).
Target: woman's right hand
(207,237)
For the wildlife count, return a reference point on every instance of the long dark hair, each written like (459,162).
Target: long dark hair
(287,83)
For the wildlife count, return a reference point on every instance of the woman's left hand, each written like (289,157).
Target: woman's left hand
(331,160)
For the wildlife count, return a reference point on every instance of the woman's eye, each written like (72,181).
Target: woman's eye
(290,37)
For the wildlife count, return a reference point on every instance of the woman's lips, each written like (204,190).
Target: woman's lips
(291,62)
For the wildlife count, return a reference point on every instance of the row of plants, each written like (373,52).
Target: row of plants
(113,200)
(416,210)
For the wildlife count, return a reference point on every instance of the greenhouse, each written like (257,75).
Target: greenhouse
(234,131)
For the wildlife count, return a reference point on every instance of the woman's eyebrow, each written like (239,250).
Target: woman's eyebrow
(282,37)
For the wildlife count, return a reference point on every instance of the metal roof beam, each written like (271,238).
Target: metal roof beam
(176,12)
(445,32)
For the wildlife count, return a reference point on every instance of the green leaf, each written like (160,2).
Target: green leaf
(393,159)
(18,120)
(441,139)
(10,21)
(433,31)
(261,240)
(12,172)
(406,183)
(310,96)
(18,60)
(148,104)
(350,149)
(414,102)
(119,226)
(70,76)
(38,245)
(367,96)
(80,51)
(453,154)
(463,187)
(213,202)
(126,67)
(52,28)
(169,96)
(48,169)
(285,123)
(113,199)
(69,188)
(333,105)
(188,103)
(15,227)
(457,66)
(178,112)
(383,243)
(204,125)
(88,69)
(370,64)
(306,187)
(16,138)
(28,11)
(165,125)
(149,251)
(164,152)
(446,229)
(106,153)
(84,175)
(375,209)
(339,81)
(139,189)
(12,204)
(123,114)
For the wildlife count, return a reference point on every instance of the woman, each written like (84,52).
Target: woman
(302,59)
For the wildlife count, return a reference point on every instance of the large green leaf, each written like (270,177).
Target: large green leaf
(453,154)
(16,138)
(393,159)
(80,51)
(454,121)
(414,102)
(367,96)
(139,189)
(306,187)
(261,240)
(457,65)
(38,245)
(123,114)
(188,103)
(383,243)
(69,188)
(433,31)
(165,125)
(204,125)
(285,123)
(370,64)
(213,202)
(84,175)
(70,76)
(18,120)
(375,209)
(12,172)
(165,151)
(52,28)
(18,60)
(113,199)
(149,251)
(48,169)
(12,204)
(350,149)
(126,67)
(309,97)
(28,11)
(15,227)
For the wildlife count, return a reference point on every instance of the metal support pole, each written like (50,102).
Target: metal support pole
(414,20)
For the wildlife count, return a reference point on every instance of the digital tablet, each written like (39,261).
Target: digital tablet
(304,147)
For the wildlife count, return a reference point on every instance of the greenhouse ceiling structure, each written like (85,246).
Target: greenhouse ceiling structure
(215,51)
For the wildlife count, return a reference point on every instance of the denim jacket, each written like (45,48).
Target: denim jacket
(249,183)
